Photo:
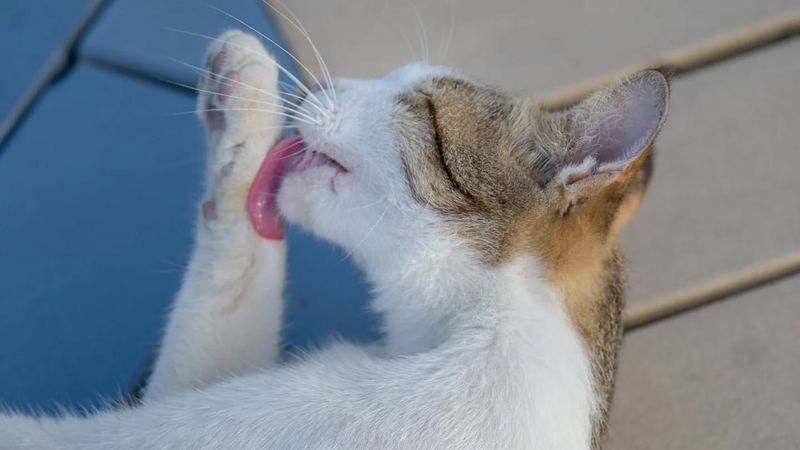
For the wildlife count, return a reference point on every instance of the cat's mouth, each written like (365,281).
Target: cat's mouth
(290,155)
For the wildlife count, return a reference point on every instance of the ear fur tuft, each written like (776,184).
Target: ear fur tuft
(605,134)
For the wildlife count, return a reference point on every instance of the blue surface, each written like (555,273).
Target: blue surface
(97,195)
(33,36)
(141,34)
(98,188)
(326,295)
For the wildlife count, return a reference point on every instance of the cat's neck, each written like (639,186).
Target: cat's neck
(441,298)
(428,291)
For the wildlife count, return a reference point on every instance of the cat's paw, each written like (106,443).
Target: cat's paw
(239,82)
(238,97)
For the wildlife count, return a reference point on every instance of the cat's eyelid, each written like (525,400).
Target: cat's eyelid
(437,138)
(425,93)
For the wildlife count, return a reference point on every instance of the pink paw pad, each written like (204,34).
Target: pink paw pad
(219,87)
(228,83)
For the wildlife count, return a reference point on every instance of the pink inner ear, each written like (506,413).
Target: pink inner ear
(628,119)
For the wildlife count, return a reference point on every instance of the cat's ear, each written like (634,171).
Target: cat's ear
(607,137)
(632,196)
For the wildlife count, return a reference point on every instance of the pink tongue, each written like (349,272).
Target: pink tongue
(261,204)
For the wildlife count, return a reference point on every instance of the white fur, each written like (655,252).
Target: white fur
(475,356)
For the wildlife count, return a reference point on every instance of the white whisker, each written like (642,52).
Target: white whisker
(295,21)
(300,98)
(241,83)
(408,43)
(292,155)
(318,55)
(271,111)
(393,22)
(424,35)
(283,107)
(452,28)
(288,53)
(375,225)
(285,71)
(354,208)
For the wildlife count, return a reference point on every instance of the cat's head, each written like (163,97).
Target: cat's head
(426,152)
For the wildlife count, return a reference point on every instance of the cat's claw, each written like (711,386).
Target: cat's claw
(238,94)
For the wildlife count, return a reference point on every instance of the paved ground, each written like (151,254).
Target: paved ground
(98,180)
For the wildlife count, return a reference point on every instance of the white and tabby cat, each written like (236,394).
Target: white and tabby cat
(486,226)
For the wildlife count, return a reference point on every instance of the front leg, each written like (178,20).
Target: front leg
(227,315)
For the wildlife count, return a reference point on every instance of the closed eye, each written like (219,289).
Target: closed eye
(437,139)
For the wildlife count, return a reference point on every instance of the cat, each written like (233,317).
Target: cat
(486,226)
